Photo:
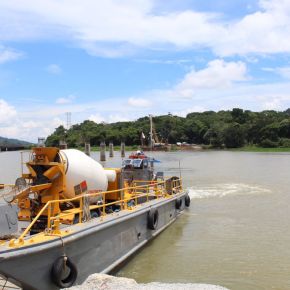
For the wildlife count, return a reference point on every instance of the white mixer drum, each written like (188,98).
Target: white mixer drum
(78,168)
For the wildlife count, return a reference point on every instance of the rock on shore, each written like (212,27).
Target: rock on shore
(106,282)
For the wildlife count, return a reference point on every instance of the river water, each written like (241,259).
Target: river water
(235,234)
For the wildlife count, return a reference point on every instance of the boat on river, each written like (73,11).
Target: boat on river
(68,217)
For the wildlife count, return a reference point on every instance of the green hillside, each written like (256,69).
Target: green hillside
(223,129)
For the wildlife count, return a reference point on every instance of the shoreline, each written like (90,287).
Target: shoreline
(200,148)
(183,149)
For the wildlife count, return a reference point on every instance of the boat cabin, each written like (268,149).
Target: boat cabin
(138,167)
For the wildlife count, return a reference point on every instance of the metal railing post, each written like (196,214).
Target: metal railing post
(81,210)
(104,203)
(49,216)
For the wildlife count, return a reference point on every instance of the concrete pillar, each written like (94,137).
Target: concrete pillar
(62,144)
(111,149)
(123,149)
(41,142)
(103,151)
(88,149)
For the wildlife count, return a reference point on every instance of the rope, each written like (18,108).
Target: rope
(61,238)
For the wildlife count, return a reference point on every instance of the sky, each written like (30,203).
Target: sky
(118,60)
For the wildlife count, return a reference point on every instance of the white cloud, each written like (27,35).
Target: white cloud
(217,75)
(166,61)
(17,124)
(274,104)
(97,118)
(111,118)
(139,102)
(105,27)
(7,112)
(220,85)
(265,31)
(8,54)
(29,130)
(284,72)
(67,100)
(279,101)
(30,124)
(186,111)
(54,69)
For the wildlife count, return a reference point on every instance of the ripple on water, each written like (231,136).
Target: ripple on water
(226,189)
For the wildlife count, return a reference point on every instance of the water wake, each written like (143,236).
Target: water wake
(106,282)
(226,189)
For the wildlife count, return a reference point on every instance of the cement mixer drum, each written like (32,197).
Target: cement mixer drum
(78,168)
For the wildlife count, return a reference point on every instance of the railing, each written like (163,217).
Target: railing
(151,189)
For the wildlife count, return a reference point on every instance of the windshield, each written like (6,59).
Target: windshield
(137,163)
(126,163)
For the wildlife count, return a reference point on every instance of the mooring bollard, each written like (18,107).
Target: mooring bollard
(103,151)
(111,149)
(122,149)
(88,149)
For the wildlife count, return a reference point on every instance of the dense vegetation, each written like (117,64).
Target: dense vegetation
(229,129)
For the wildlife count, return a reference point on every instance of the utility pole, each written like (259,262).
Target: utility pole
(151,132)
(68,120)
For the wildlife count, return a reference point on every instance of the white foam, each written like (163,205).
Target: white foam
(225,189)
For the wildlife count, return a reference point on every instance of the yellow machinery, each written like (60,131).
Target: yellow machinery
(57,175)
(45,181)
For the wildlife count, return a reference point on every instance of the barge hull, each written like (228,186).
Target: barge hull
(97,246)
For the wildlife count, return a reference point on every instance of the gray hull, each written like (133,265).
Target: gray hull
(97,246)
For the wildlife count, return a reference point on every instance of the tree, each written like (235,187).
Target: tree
(58,135)
(213,136)
(284,128)
(233,136)
(270,132)
(239,116)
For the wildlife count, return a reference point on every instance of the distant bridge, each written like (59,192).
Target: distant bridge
(11,148)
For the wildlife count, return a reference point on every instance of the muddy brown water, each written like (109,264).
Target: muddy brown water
(237,231)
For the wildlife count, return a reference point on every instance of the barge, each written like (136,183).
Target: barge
(68,217)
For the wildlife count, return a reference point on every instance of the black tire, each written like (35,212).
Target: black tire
(187,201)
(178,203)
(94,214)
(153,217)
(58,271)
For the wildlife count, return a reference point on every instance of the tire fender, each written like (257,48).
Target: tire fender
(58,269)
(187,201)
(152,219)
(178,203)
